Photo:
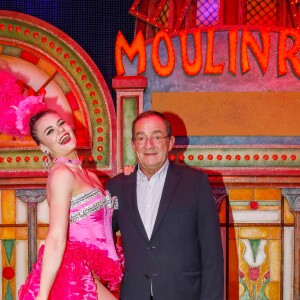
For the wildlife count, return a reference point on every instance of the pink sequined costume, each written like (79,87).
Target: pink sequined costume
(90,247)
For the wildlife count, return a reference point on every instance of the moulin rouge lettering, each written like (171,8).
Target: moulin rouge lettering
(288,50)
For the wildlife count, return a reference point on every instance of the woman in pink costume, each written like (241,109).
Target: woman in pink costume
(79,259)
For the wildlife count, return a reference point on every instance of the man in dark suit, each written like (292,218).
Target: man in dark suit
(168,221)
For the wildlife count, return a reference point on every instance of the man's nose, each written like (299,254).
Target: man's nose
(149,142)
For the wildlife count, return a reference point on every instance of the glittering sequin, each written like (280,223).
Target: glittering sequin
(84,197)
(111,201)
(106,200)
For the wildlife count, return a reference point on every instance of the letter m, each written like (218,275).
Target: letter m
(137,47)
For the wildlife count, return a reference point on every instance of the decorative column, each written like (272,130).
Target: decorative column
(293,198)
(130,95)
(32,198)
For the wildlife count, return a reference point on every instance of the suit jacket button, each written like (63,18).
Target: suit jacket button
(147,276)
(151,247)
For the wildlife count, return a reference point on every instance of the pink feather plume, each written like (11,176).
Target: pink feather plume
(16,109)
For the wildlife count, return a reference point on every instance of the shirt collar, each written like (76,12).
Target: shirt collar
(161,172)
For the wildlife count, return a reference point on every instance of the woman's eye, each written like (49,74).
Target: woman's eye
(49,131)
(62,123)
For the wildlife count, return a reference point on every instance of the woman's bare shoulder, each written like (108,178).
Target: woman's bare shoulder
(60,175)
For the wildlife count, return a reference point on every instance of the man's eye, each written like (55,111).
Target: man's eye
(62,123)
(157,138)
(140,138)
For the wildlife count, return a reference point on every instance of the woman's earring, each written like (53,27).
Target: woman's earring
(47,161)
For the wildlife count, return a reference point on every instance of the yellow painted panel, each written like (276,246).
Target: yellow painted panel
(8,233)
(275,260)
(241,194)
(275,233)
(21,233)
(254,233)
(239,207)
(42,233)
(271,262)
(288,216)
(13,265)
(267,194)
(4,264)
(272,290)
(231,113)
(245,268)
(269,208)
(8,206)
(3,255)
(242,264)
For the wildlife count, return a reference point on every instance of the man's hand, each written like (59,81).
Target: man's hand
(128,170)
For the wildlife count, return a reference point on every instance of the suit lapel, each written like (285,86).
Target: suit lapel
(130,186)
(167,194)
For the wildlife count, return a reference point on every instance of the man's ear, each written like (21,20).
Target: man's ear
(171,142)
(132,145)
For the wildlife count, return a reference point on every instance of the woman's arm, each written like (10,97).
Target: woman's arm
(59,192)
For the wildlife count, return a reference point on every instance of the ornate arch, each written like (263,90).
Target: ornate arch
(43,57)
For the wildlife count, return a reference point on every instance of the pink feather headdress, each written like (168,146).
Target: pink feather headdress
(16,109)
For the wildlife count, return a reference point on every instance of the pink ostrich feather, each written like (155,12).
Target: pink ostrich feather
(27,108)
(16,109)
(10,97)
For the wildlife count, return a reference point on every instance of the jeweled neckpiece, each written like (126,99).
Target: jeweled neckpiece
(65,160)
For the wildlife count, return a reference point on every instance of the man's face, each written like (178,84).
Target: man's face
(151,144)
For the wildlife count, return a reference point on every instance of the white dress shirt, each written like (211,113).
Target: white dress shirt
(149,194)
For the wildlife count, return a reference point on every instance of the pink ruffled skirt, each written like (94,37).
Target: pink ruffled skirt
(74,279)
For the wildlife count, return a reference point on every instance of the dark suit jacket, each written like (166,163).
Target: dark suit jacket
(184,257)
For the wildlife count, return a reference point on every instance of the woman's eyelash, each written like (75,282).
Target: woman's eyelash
(49,131)
(61,123)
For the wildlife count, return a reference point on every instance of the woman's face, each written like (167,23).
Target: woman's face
(55,135)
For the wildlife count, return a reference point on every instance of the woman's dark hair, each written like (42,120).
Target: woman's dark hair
(34,119)
(151,113)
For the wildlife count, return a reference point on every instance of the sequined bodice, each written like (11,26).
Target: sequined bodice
(91,220)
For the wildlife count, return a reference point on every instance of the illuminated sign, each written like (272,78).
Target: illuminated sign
(288,51)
